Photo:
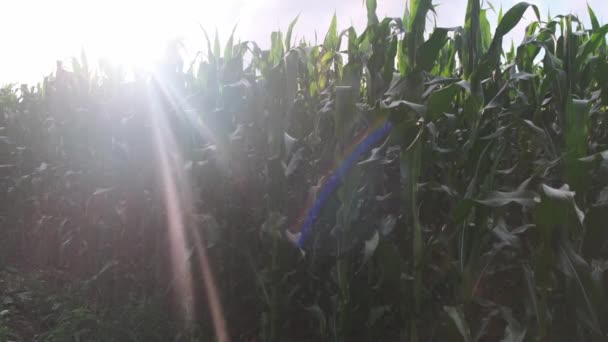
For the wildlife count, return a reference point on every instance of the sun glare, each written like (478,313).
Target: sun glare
(133,33)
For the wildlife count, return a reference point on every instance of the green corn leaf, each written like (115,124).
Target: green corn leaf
(595,25)
(331,38)
(429,50)
(289,32)
(402,58)
(597,39)
(486,34)
(449,62)
(506,24)
(441,101)
(417,108)
(372,19)
(557,208)
(577,115)
(388,69)
(416,26)
(291,75)
(276,48)
(512,18)
(471,37)
(500,15)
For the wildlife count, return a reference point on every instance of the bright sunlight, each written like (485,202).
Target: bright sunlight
(134,33)
(131,33)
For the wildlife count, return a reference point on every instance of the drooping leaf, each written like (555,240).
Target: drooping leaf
(514,332)
(294,162)
(370,246)
(503,234)
(429,50)
(506,24)
(498,199)
(441,101)
(577,268)
(457,316)
(417,108)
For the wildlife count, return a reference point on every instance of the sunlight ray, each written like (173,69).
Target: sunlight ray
(177,206)
(173,206)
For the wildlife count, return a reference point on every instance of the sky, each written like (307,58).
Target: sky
(37,33)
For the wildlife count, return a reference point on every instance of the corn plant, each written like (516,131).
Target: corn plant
(476,214)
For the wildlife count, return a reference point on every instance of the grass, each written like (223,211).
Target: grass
(39,307)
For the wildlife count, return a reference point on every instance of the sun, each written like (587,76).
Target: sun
(131,33)
(135,33)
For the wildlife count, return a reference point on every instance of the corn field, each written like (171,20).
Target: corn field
(180,205)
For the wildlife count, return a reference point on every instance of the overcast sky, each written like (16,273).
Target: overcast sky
(36,33)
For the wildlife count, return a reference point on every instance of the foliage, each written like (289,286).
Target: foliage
(37,308)
(479,218)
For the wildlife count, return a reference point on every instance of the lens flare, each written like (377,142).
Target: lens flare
(361,144)
(178,200)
